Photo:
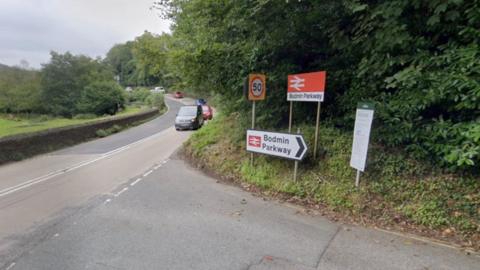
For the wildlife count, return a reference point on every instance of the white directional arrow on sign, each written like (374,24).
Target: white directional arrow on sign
(286,145)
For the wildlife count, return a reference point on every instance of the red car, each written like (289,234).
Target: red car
(207,112)
(178,94)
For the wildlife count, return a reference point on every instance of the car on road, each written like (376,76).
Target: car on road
(207,112)
(200,102)
(189,117)
(178,94)
(158,89)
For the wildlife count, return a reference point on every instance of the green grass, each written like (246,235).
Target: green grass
(13,125)
(394,189)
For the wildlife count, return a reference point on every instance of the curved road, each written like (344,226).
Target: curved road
(37,190)
(127,202)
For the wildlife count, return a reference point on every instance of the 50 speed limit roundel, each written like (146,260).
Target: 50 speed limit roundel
(256,87)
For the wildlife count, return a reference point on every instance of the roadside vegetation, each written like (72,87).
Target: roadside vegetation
(396,192)
(69,90)
(417,61)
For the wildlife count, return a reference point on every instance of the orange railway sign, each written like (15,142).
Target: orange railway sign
(306,86)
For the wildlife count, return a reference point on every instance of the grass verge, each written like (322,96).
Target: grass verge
(13,125)
(396,193)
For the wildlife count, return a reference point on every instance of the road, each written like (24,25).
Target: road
(129,202)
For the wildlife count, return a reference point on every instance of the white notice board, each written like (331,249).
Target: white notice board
(361,135)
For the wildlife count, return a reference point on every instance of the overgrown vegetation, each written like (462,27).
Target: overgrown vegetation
(417,60)
(396,191)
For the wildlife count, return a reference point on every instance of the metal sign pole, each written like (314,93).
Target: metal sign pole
(253,127)
(357,179)
(295,169)
(290,117)
(316,131)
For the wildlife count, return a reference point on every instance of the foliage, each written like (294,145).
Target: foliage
(139,95)
(120,58)
(417,60)
(101,98)
(395,189)
(141,62)
(156,100)
(69,81)
(19,90)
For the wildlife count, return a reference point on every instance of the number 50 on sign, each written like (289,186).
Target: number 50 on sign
(256,87)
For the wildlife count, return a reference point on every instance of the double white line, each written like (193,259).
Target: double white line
(51,175)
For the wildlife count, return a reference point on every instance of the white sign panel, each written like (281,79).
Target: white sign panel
(285,145)
(311,96)
(361,136)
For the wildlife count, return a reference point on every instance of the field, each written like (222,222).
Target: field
(13,124)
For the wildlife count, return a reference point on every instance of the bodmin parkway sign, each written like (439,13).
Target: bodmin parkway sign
(285,145)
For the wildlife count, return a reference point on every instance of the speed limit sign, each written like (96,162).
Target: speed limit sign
(256,87)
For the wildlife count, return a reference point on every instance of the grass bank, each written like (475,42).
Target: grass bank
(396,192)
(20,124)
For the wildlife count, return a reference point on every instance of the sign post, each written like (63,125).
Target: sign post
(256,91)
(290,117)
(309,87)
(361,137)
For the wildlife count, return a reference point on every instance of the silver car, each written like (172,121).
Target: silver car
(189,117)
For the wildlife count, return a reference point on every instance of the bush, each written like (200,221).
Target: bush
(156,100)
(395,187)
(138,95)
(102,133)
(101,98)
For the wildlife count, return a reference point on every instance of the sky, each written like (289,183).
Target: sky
(30,29)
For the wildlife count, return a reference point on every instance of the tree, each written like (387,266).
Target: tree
(418,60)
(120,58)
(65,78)
(19,90)
(150,53)
(103,97)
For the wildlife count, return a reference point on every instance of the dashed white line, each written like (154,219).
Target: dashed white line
(120,192)
(147,173)
(135,182)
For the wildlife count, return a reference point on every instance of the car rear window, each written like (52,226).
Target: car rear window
(187,111)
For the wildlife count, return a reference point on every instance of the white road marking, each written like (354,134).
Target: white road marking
(147,173)
(51,175)
(135,182)
(10,266)
(120,192)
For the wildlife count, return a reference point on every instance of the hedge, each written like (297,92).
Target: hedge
(17,147)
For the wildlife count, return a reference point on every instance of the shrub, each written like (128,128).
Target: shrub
(156,100)
(101,98)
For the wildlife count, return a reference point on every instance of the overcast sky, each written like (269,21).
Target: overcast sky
(30,29)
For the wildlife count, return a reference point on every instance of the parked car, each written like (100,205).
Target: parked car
(178,94)
(158,89)
(200,102)
(189,117)
(207,112)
